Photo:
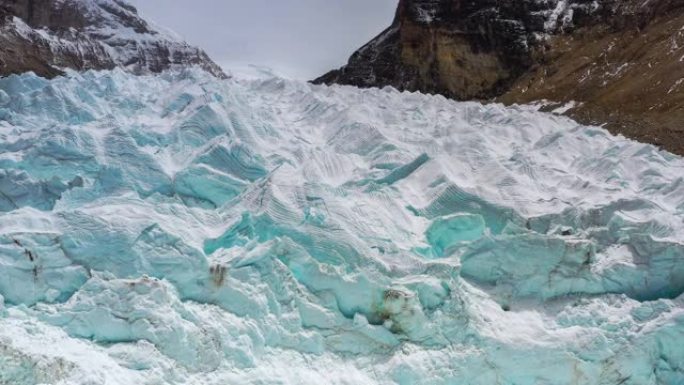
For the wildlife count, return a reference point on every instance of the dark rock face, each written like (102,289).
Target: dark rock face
(592,52)
(463,49)
(46,36)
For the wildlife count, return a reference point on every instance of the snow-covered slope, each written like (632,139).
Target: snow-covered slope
(177,229)
(49,36)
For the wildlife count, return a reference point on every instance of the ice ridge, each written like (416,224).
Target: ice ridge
(179,229)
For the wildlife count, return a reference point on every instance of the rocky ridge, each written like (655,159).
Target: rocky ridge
(48,36)
(617,63)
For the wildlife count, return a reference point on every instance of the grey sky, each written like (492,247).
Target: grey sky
(297,38)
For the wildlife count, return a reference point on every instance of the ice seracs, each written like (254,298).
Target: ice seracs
(183,229)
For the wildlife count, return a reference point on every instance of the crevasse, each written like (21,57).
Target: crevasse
(177,229)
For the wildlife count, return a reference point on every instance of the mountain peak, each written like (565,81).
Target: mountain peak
(53,35)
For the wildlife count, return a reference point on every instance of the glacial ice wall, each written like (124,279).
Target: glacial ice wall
(176,229)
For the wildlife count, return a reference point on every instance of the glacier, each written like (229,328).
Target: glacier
(179,229)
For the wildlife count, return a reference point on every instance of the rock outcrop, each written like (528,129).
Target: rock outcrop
(617,62)
(48,36)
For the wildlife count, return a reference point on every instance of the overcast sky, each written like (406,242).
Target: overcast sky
(297,38)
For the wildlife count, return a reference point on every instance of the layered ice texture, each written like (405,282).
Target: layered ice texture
(179,229)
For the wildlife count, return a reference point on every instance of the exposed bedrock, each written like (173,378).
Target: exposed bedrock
(617,62)
(49,36)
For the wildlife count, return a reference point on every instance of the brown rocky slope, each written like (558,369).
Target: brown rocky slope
(621,63)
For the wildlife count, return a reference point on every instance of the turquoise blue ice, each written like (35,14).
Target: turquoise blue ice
(177,229)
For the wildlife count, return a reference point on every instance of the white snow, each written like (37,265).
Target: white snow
(178,229)
(114,35)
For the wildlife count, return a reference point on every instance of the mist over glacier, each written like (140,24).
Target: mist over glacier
(177,229)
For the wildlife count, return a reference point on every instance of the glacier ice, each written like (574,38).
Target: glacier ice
(179,229)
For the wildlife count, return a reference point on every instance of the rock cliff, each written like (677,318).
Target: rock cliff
(618,63)
(48,36)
